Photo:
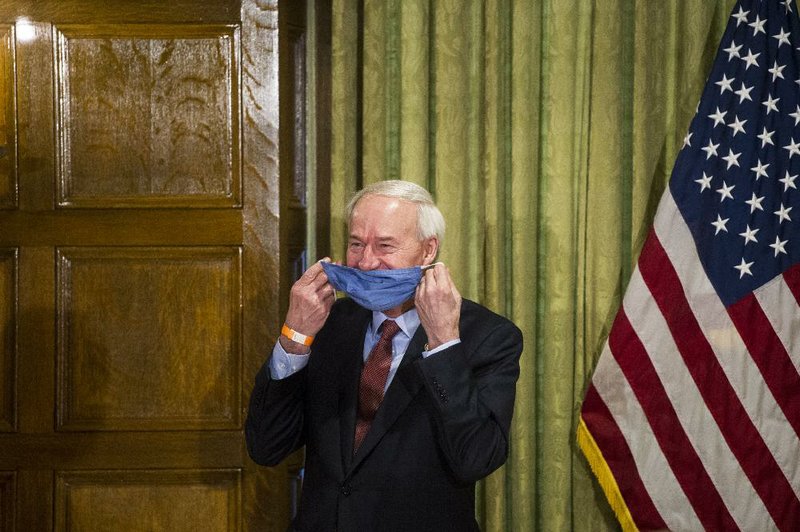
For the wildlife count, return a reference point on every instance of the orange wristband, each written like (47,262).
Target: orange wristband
(295,336)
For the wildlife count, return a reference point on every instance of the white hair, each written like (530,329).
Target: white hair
(430,221)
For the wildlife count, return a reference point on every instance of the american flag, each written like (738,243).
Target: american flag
(692,417)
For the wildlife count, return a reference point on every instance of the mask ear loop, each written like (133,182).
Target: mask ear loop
(429,266)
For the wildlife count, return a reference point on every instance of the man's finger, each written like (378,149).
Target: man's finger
(312,274)
(327,291)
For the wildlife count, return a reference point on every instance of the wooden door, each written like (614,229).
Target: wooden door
(140,258)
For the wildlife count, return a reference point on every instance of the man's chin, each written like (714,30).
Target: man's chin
(396,311)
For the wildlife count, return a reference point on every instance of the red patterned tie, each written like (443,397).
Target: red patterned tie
(373,380)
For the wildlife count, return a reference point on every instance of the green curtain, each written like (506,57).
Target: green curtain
(546,130)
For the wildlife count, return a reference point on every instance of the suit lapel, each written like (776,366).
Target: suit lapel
(352,356)
(400,393)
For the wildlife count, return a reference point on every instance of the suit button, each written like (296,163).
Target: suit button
(345,490)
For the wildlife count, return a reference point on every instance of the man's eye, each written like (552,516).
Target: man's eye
(356,245)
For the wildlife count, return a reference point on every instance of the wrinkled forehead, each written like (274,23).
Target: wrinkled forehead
(384,214)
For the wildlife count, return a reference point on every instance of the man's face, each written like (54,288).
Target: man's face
(383,236)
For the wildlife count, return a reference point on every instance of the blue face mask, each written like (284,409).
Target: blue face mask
(375,289)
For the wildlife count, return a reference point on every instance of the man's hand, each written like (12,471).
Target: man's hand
(438,304)
(310,302)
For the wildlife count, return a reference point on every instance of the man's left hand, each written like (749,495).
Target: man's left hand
(438,304)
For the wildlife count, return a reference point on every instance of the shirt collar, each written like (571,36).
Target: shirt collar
(408,321)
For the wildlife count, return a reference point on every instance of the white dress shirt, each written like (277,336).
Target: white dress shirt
(283,364)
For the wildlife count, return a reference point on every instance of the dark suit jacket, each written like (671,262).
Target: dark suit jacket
(443,424)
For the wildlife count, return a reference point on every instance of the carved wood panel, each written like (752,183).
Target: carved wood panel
(164,500)
(8,338)
(149,338)
(148,115)
(8,129)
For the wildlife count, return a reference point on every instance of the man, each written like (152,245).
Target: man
(402,453)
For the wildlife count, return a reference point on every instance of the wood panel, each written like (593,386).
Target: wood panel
(130,449)
(118,11)
(7,499)
(149,115)
(153,501)
(8,129)
(8,338)
(149,338)
(93,227)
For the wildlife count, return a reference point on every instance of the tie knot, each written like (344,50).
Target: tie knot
(389,328)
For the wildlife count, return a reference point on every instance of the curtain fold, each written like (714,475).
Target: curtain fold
(546,130)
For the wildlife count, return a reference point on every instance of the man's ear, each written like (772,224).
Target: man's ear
(431,248)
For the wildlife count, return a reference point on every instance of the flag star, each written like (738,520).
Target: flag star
(710,150)
(725,84)
(777,71)
(758,25)
(744,93)
(687,140)
(788,181)
(787,4)
(779,246)
(705,181)
(796,115)
(749,235)
(793,147)
(733,50)
(737,125)
(783,214)
(744,268)
(755,203)
(725,191)
(760,169)
(771,103)
(720,224)
(750,59)
(733,158)
(766,137)
(741,16)
(783,37)
(719,117)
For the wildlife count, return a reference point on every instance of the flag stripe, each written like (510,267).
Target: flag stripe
(721,333)
(779,304)
(619,458)
(792,278)
(770,355)
(738,430)
(666,426)
(658,477)
(735,490)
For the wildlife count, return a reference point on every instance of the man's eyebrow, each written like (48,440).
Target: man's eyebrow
(381,239)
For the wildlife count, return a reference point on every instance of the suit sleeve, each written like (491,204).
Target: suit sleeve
(472,387)
(275,417)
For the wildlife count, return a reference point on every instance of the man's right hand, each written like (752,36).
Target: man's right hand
(310,302)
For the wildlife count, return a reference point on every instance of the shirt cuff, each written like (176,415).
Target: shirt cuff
(426,354)
(283,364)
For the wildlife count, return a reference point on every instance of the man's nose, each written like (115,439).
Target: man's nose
(368,260)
